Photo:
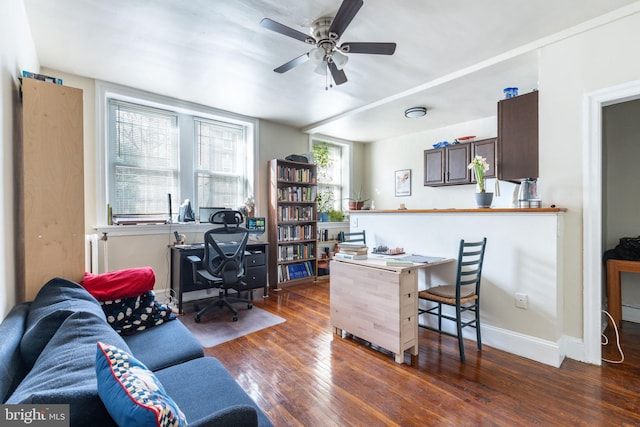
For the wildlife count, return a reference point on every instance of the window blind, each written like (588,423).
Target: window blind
(144,158)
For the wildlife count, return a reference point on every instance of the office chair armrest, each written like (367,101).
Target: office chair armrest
(195,262)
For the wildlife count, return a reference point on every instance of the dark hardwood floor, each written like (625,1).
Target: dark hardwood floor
(301,374)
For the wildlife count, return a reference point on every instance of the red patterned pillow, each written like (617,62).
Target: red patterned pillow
(114,285)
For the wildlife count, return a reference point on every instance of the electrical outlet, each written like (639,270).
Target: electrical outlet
(522,301)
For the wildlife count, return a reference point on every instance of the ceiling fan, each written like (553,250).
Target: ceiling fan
(325,35)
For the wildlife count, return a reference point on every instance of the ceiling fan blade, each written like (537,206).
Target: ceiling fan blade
(345,15)
(293,63)
(371,48)
(339,76)
(272,25)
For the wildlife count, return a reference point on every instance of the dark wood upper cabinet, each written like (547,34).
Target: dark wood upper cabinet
(450,165)
(518,137)
(434,166)
(457,160)
(486,148)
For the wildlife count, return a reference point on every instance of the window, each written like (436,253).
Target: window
(221,163)
(155,146)
(332,158)
(143,159)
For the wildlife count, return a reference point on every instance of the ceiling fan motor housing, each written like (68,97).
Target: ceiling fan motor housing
(320,31)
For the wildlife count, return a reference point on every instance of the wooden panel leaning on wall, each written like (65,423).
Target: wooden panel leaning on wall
(50,193)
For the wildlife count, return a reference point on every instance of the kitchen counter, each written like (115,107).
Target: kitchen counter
(523,256)
(464,210)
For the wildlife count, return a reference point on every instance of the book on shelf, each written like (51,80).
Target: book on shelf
(295,271)
(343,255)
(42,77)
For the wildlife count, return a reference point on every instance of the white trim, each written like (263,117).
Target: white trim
(592,210)
(543,351)
(106,90)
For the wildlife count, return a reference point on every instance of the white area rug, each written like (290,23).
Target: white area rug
(216,326)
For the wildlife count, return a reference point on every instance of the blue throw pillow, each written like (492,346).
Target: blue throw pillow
(131,393)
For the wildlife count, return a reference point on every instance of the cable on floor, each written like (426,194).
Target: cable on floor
(605,340)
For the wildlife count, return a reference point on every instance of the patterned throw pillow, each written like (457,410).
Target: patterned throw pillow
(131,393)
(130,315)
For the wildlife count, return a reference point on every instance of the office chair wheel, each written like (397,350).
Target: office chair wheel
(235,318)
(249,306)
(198,318)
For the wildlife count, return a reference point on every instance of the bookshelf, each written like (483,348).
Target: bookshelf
(292,229)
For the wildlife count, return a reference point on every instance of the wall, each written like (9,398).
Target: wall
(621,151)
(17,53)
(568,69)
(384,158)
(149,247)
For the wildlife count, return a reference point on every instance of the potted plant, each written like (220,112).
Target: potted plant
(336,216)
(479,166)
(324,199)
(356,202)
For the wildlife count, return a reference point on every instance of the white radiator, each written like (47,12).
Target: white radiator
(91,253)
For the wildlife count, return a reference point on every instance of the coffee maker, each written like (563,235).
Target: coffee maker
(528,196)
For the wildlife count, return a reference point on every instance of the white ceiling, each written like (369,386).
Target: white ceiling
(452,56)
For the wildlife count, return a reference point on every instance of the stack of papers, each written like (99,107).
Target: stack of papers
(398,263)
(352,251)
(421,258)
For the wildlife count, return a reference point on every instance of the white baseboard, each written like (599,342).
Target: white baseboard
(542,351)
(631,314)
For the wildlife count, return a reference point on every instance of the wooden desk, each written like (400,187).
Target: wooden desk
(182,275)
(614,268)
(377,303)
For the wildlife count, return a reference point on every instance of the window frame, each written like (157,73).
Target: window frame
(346,165)
(187,112)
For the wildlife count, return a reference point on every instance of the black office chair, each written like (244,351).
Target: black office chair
(355,237)
(464,295)
(224,268)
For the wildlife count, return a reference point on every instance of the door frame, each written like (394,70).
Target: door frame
(592,208)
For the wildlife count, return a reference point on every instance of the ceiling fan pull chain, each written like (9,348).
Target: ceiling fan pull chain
(327,83)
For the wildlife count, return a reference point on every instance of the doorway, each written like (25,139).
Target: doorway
(592,240)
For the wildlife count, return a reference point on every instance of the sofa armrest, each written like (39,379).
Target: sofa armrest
(12,369)
(237,416)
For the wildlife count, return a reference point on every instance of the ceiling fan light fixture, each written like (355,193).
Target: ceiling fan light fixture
(339,59)
(316,55)
(321,68)
(415,112)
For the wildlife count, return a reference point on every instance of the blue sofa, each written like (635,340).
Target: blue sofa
(48,356)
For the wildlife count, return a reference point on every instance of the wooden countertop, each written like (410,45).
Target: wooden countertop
(465,210)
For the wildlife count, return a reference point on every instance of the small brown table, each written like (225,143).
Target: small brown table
(614,268)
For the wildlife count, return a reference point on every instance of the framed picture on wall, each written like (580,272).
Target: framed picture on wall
(403,182)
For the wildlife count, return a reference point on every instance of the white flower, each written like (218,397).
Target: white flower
(479,166)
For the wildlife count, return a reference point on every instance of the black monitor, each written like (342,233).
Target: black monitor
(256,225)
